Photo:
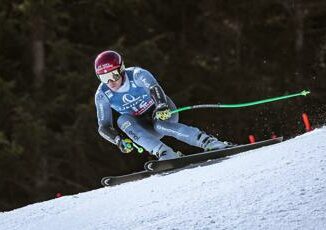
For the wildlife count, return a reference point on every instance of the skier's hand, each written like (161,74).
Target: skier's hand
(162,112)
(125,145)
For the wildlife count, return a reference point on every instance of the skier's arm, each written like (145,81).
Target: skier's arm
(104,119)
(146,80)
(105,127)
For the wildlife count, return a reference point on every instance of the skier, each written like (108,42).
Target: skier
(145,111)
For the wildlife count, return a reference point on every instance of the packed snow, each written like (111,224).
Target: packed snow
(276,187)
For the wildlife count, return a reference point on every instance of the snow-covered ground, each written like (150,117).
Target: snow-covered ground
(277,187)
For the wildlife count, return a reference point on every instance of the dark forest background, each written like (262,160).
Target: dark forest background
(206,51)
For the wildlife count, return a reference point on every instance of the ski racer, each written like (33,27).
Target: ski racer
(144,110)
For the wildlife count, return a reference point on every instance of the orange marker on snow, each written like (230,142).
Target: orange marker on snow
(306,122)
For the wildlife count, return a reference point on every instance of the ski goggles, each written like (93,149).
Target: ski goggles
(114,75)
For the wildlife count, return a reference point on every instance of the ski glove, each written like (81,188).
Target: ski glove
(162,112)
(125,145)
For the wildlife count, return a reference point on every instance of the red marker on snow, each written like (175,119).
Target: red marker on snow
(252,139)
(306,122)
(58,195)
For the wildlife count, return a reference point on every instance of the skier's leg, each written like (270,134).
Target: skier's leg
(143,136)
(188,134)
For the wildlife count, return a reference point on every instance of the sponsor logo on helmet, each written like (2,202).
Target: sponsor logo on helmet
(104,68)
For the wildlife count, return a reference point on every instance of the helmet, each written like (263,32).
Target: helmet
(108,61)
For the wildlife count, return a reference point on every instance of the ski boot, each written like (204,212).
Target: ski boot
(163,152)
(209,142)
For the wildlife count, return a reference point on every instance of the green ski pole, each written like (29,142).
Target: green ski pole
(139,149)
(129,144)
(303,93)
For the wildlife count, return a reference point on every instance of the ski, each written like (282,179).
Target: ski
(116,180)
(158,166)
(166,166)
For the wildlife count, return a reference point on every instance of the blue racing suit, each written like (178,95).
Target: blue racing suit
(135,103)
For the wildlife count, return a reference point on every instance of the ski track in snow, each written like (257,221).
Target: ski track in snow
(276,187)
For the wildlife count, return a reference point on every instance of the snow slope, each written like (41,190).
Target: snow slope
(276,187)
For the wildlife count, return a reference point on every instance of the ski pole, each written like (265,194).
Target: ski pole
(129,144)
(139,149)
(303,93)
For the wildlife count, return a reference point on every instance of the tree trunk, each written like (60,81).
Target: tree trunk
(299,31)
(37,43)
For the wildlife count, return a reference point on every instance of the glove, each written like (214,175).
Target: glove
(125,145)
(162,112)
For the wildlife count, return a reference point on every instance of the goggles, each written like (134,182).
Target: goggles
(110,76)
